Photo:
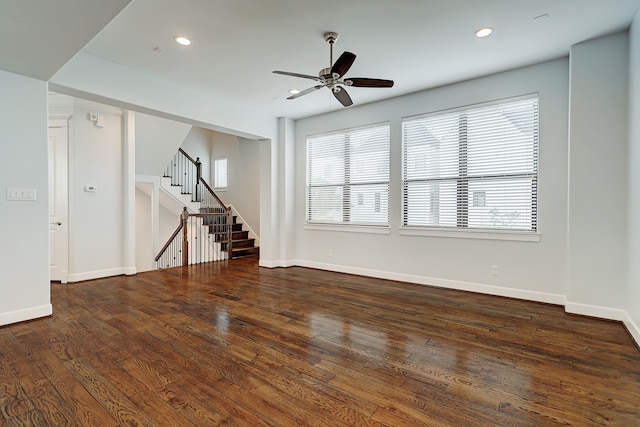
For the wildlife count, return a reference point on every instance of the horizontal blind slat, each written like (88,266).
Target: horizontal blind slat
(348,177)
(472,168)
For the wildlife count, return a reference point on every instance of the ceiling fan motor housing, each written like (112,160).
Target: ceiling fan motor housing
(330,37)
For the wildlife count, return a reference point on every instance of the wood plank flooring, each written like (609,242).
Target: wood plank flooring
(230,343)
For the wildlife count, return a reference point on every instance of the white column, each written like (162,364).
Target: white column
(129,191)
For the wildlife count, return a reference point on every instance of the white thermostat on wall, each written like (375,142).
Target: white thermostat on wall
(90,188)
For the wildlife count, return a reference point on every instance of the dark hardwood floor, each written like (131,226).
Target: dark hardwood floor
(234,344)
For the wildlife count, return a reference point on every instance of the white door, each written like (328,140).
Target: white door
(58,208)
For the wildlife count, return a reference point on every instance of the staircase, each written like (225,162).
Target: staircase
(209,228)
(241,244)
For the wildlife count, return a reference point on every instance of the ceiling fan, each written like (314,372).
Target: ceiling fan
(333,76)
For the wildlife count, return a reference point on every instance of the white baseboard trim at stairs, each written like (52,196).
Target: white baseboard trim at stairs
(175,193)
(25,314)
(252,234)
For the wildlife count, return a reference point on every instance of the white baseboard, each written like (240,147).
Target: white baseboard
(130,271)
(25,314)
(277,263)
(544,297)
(594,311)
(549,298)
(633,329)
(99,274)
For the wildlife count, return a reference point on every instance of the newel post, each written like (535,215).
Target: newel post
(184,216)
(198,176)
(229,233)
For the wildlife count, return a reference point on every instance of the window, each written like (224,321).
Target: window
(473,168)
(348,177)
(220,173)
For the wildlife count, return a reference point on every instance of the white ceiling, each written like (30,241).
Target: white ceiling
(238,43)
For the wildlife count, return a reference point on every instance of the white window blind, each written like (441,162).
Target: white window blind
(473,168)
(348,177)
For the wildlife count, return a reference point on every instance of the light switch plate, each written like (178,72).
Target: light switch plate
(21,194)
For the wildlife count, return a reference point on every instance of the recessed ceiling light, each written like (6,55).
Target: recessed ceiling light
(294,91)
(182,40)
(484,32)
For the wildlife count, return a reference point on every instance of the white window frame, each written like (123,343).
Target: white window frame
(462,228)
(217,185)
(374,183)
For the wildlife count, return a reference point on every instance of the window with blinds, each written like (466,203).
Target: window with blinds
(473,168)
(348,177)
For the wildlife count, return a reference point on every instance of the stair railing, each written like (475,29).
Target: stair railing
(203,233)
(198,238)
(187,174)
(184,173)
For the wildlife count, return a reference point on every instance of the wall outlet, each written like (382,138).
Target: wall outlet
(495,270)
(330,252)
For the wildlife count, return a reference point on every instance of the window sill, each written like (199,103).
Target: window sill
(471,234)
(371,229)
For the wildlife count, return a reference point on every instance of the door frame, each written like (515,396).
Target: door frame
(62,121)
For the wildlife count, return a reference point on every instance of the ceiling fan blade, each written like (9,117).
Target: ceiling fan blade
(343,63)
(366,82)
(306,91)
(342,96)
(304,76)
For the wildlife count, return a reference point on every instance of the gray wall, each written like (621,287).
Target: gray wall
(633,229)
(157,141)
(24,247)
(597,173)
(529,269)
(243,175)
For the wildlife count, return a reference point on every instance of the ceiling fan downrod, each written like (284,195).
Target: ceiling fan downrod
(330,37)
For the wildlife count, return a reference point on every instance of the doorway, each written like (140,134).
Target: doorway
(58,200)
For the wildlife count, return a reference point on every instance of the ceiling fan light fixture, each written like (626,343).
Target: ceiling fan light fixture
(484,32)
(182,40)
(294,91)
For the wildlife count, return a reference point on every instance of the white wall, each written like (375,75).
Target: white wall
(96,219)
(197,144)
(243,175)
(168,217)
(157,141)
(534,270)
(24,246)
(287,197)
(144,228)
(94,78)
(598,177)
(633,228)
(90,77)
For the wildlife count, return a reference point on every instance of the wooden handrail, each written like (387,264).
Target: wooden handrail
(186,155)
(184,217)
(212,193)
(166,245)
